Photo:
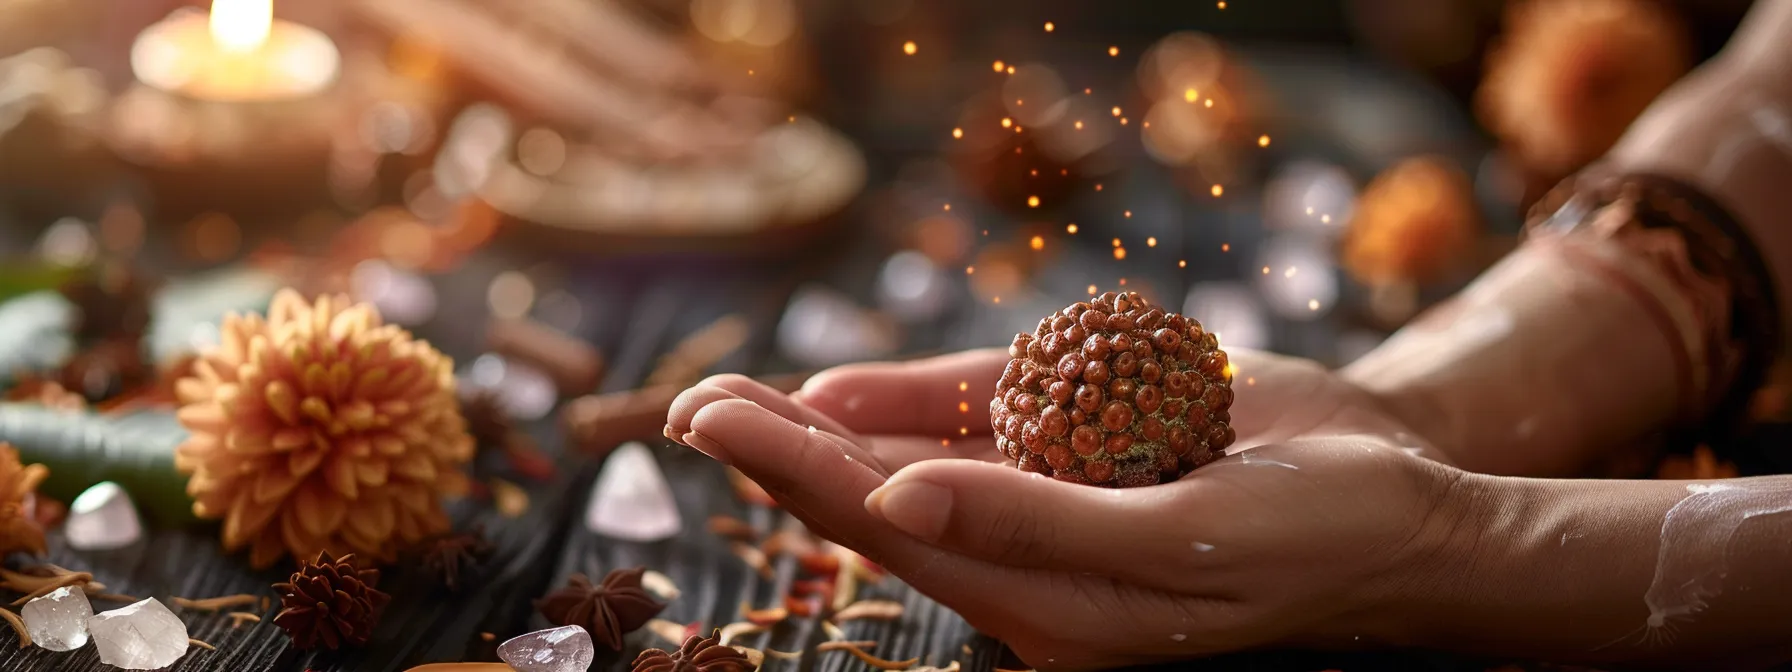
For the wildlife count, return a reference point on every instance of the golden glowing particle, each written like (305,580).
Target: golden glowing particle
(1325,219)
(999,66)
(1123,121)
(1032,201)
(1088,91)
(947,207)
(1016,129)
(1262,141)
(997,300)
(1217,190)
(1147,124)
(1116,110)
(1312,304)
(1290,272)
(1250,381)
(1019,102)
(1010,69)
(1091,290)
(945,442)
(1116,242)
(1225,247)
(1119,253)
(1182,263)
(968,270)
(908,47)
(1207,103)
(1222,4)
(957,133)
(792,119)
(749,73)
(1123,282)
(1113,51)
(1049,27)
(1151,242)
(1079,125)
(1231,369)
(1034,172)
(1266,270)
(1070,228)
(1128,214)
(1038,242)
(964,407)
(1098,186)
(1063,171)
(1309,210)
(1191,95)
(962,431)
(1007,123)
(964,385)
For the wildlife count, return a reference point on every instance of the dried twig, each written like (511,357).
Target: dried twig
(18,626)
(661,585)
(857,649)
(732,630)
(214,604)
(53,584)
(237,618)
(201,644)
(879,610)
(754,558)
(732,528)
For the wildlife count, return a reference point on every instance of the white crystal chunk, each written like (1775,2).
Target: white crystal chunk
(102,518)
(566,649)
(632,500)
(58,621)
(142,636)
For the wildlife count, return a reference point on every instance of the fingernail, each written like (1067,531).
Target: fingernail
(673,434)
(705,445)
(918,508)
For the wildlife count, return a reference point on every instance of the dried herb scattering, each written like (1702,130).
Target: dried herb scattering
(613,608)
(329,603)
(698,654)
(453,558)
(18,484)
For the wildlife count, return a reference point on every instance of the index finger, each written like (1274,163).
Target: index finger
(930,397)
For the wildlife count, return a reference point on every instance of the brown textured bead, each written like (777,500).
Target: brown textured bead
(1148,398)
(1053,421)
(1096,373)
(1118,444)
(1070,367)
(1096,347)
(1116,416)
(1018,348)
(1125,364)
(1086,440)
(1152,429)
(1116,392)
(1088,398)
(1100,471)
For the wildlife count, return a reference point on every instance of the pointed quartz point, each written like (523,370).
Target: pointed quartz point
(566,649)
(141,636)
(632,500)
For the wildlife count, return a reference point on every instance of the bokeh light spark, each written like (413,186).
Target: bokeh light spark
(909,47)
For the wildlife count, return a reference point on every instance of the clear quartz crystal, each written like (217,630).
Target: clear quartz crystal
(141,636)
(632,500)
(58,621)
(566,649)
(102,518)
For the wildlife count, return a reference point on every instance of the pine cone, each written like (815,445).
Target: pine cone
(698,654)
(1570,75)
(608,611)
(1114,392)
(316,410)
(329,602)
(18,483)
(452,558)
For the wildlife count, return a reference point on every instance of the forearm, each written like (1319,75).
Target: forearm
(1610,571)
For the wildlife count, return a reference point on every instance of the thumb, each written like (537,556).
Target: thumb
(1010,517)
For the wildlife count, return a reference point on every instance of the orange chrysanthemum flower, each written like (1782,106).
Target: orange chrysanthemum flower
(1416,222)
(18,483)
(1570,75)
(321,429)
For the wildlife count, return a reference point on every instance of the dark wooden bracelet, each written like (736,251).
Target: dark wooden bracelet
(1741,352)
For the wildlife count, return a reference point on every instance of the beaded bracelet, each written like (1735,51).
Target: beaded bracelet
(1711,263)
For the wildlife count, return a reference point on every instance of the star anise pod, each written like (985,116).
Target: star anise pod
(698,654)
(112,303)
(453,557)
(329,602)
(616,607)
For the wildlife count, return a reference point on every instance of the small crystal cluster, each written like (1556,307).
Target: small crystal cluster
(140,636)
(563,649)
(1114,392)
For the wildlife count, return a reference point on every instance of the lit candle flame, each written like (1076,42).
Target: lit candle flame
(241,26)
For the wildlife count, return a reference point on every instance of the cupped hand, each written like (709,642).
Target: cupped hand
(1312,532)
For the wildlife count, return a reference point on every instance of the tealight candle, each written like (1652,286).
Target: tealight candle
(236,53)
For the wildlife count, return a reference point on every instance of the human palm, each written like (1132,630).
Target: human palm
(1280,542)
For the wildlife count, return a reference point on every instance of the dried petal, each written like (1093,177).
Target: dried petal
(879,610)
